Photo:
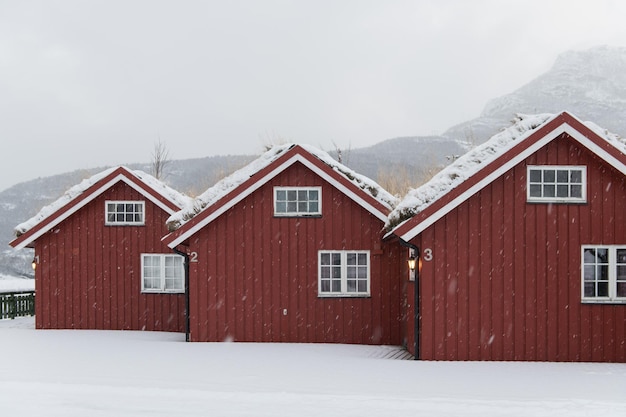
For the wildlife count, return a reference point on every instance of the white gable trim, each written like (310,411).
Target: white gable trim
(258,184)
(91,197)
(593,147)
(549,137)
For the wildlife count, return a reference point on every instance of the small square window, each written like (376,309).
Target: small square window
(297,201)
(552,184)
(124,213)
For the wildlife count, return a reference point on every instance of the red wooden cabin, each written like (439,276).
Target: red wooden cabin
(100,262)
(523,243)
(289,249)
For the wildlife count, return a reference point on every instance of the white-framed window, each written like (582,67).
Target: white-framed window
(556,184)
(343,273)
(297,201)
(125,213)
(604,273)
(162,273)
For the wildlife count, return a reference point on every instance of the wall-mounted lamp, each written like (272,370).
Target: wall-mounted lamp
(35,262)
(415,262)
(412,262)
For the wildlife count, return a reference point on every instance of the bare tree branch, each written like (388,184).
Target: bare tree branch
(160,160)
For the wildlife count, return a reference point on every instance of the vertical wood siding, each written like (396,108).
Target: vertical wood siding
(505,279)
(253,267)
(90,274)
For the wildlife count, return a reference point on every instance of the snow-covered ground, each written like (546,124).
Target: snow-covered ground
(8,283)
(108,373)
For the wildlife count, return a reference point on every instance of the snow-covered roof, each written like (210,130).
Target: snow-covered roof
(466,166)
(76,191)
(226,185)
(176,197)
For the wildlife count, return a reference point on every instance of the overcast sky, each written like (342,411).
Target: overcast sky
(94,83)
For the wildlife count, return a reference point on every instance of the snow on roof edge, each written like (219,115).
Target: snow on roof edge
(473,161)
(176,197)
(364,183)
(229,183)
(464,167)
(613,138)
(75,191)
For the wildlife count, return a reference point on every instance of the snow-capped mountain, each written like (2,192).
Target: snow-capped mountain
(591,84)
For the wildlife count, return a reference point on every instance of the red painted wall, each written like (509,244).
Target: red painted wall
(89,276)
(505,280)
(251,266)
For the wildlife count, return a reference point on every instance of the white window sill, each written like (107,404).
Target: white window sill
(603,301)
(555,201)
(298,215)
(344,295)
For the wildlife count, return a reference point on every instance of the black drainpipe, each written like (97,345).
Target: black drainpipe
(416,297)
(186,256)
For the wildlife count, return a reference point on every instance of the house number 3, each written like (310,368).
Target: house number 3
(428,254)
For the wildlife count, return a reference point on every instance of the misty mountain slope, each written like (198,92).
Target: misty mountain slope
(416,157)
(194,176)
(590,84)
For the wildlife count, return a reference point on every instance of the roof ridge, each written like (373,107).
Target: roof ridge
(227,184)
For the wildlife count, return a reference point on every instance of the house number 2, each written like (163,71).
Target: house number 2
(428,254)
(193,257)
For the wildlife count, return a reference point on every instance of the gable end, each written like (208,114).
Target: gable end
(567,124)
(212,212)
(29,236)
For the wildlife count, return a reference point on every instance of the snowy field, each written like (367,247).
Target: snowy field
(107,373)
(8,283)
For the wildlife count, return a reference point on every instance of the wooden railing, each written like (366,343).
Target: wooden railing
(17,304)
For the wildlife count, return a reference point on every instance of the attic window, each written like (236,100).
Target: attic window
(297,201)
(556,184)
(124,213)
